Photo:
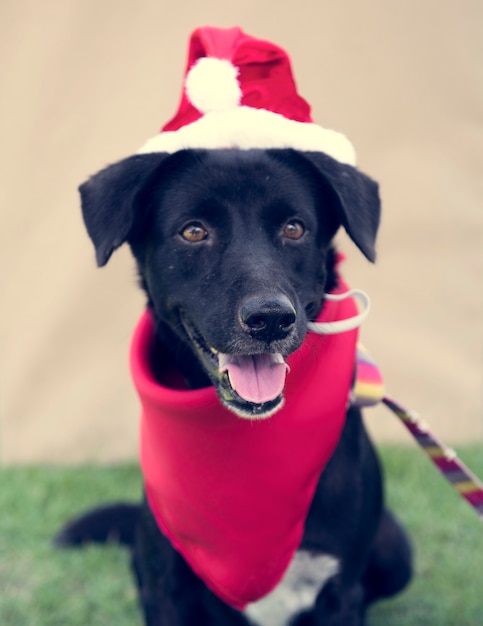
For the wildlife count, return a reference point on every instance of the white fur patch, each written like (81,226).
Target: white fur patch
(246,128)
(305,577)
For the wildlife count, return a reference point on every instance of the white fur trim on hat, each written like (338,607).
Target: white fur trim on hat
(246,128)
(212,85)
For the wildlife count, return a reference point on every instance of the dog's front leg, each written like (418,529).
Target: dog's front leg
(339,604)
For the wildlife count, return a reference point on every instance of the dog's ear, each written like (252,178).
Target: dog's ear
(356,198)
(112,204)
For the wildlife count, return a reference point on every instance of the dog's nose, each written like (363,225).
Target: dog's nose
(267,318)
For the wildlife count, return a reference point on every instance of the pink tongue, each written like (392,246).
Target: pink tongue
(257,378)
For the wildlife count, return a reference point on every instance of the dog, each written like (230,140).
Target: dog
(263,493)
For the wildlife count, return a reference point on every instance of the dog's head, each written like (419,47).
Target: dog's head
(234,251)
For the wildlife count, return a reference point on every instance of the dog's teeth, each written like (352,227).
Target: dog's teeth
(213,351)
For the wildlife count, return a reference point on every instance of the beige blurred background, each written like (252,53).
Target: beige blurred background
(85,82)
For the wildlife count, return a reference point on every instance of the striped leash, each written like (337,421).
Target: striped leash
(368,390)
(469,487)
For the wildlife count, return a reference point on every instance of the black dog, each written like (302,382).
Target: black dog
(234,250)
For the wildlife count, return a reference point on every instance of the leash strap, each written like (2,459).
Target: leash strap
(469,487)
(368,389)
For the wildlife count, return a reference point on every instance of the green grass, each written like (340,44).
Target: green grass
(447,589)
(41,586)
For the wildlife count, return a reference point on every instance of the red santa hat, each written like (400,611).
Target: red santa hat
(239,92)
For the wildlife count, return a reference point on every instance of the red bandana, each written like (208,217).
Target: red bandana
(232,494)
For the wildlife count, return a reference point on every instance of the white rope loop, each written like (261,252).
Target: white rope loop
(342,326)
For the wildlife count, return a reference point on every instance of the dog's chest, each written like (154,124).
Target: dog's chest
(305,577)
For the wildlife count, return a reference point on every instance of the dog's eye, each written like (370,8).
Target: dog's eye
(294,229)
(194,232)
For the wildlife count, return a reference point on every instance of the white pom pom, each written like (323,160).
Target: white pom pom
(212,85)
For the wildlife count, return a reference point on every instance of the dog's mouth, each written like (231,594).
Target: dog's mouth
(251,385)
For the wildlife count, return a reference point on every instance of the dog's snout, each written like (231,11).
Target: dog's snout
(267,318)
